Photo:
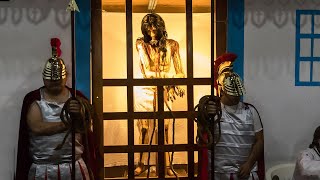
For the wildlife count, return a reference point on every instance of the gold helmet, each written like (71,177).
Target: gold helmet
(55,68)
(225,79)
(231,83)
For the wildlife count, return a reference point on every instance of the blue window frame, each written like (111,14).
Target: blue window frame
(307,64)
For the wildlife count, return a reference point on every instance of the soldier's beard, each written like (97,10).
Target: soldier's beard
(56,90)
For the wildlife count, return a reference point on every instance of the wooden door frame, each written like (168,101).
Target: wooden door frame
(98,83)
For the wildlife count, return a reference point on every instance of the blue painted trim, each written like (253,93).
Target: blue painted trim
(308,36)
(297,63)
(82,28)
(309,59)
(304,83)
(312,45)
(235,34)
(298,58)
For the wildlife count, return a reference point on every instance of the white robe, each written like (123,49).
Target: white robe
(307,165)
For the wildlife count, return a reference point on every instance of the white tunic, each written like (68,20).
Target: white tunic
(49,164)
(307,165)
(239,124)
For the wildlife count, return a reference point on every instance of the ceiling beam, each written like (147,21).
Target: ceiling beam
(160,9)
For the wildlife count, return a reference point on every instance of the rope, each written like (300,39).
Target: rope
(81,123)
(152,134)
(205,120)
(173,132)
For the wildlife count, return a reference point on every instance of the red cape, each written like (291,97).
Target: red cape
(24,160)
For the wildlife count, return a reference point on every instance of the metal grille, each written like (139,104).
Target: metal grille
(98,83)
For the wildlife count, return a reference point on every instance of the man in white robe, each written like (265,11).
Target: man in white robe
(308,161)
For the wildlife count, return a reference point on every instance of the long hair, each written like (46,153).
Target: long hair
(156,21)
(316,138)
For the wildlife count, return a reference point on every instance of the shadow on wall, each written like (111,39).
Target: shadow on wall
(278,12)
(37,11)
(12,108)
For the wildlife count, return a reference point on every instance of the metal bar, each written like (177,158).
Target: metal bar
(73,58)
(221,28)
(189,30)
(158,82)
(167,178)
(97,98)
(148,115)
(160,9)
(130,87)
(154,148)
(213,4)
(160,136)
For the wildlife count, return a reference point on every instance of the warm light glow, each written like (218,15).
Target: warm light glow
(115,67)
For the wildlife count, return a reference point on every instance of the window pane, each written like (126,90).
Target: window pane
(153,163)
(115,165)
(114,43)
(304,71)
(316,71)
(180,131)
(201,21)
(317,24)
(199,92)
(202,45)
(178,103)
(115,99)
(143,130)
(195,132)
(305,47)
(196,154)
(180,163)
(115,132)
(316,47)
(305,24)
(144,99)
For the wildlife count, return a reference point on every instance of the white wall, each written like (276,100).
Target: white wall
(290,113)
(25,31)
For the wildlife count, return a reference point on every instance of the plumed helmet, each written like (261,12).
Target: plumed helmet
(225,79)
(231,84)
(221,64)
(55,68)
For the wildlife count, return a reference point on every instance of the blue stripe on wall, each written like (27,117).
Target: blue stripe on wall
(82,28)
(236,33)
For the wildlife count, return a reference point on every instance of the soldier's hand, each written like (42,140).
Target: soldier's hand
(212,107)
(245,170)
(75,109)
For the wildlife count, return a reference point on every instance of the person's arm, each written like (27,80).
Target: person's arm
(307,165)
(38,126)
(144,60)
(177,60)
(257,148)
(256,152)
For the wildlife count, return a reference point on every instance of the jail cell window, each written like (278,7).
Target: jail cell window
(148,93)
(307,64)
